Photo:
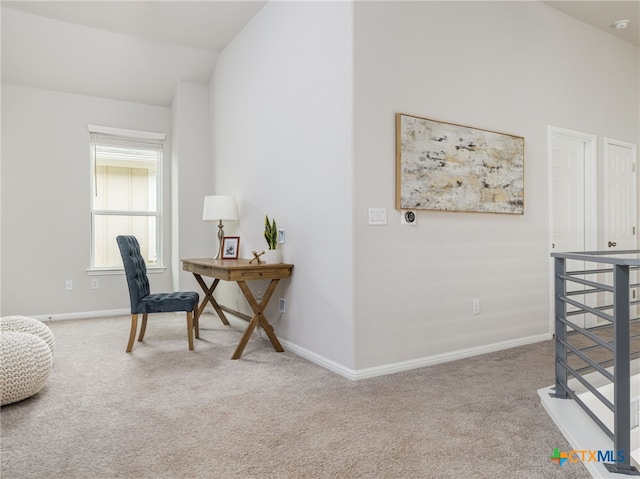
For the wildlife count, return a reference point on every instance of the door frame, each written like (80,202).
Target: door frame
(590,201)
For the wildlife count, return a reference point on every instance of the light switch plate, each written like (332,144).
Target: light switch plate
(377,216)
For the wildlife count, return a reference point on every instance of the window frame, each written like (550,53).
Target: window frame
(138,139)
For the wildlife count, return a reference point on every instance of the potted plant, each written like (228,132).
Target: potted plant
(272,255)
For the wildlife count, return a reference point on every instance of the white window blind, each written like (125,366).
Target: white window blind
(126,194)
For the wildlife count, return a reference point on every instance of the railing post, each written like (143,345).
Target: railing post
(621,373)
(560,266)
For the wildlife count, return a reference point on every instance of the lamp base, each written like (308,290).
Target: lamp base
(220,237)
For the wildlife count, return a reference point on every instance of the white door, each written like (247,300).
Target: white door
(568,194)
(620,201)
(573,203)
(620,195)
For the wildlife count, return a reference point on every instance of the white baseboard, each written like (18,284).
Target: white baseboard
(411,364)
(392,368)
(319,360)
(352,374)
(88,314)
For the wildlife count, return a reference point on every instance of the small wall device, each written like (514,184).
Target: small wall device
(408,218)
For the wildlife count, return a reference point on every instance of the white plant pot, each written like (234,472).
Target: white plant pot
(273,256)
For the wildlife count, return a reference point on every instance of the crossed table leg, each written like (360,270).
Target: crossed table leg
(208,298)
(257,308)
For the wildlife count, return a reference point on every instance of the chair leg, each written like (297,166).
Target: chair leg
(132,334)
(143,328)
(190,329)
(196,323)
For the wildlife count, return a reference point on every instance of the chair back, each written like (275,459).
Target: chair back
(135,269)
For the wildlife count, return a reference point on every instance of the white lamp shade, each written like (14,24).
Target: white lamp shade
(219,207)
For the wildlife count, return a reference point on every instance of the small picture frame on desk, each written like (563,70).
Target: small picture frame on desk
(230,247)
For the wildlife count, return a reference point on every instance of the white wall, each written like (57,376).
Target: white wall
(302,127)
(46,130)
(190,180)
(513,67)
(281,97)
(46,200)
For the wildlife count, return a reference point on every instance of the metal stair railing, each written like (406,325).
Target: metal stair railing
(611,283)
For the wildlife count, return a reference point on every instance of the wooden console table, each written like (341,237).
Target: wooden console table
(240,271)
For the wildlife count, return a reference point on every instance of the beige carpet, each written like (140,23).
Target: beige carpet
(166,412)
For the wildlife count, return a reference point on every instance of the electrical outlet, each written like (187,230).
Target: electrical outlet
(476,306)
(68,285)
(282,305)
(259,296)
(95,284)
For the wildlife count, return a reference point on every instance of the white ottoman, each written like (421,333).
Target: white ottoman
(25,324)
(26,357)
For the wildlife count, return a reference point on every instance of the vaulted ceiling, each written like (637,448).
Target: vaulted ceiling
(604,14)
(80,46)
(205,25)
(125,50)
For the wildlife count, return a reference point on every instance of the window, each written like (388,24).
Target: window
(126,194)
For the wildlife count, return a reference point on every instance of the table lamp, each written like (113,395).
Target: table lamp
(220,208)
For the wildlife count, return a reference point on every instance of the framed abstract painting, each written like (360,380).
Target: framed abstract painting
(449,167)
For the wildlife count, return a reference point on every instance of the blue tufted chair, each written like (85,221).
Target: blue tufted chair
(142,302)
